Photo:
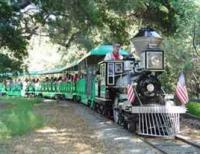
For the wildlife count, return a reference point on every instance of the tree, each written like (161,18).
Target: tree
(87,23)
(9,65)
(13,34)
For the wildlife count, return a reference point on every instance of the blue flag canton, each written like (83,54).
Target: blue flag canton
(182,79)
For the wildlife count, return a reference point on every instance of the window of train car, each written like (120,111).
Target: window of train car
(118,67)
(110,73)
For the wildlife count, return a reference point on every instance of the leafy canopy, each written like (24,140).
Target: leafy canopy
(87,23)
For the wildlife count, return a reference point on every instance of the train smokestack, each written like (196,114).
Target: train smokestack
(146,38)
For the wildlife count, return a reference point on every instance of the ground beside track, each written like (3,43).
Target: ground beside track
(73,128)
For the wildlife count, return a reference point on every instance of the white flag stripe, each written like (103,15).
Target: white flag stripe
(131,95)
(181,96)
(130,90)
(182,99)
(181,93)
(181,90)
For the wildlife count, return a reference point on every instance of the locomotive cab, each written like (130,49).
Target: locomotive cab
(113,77)
(112,71)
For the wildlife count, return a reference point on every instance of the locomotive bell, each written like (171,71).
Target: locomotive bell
(146,38)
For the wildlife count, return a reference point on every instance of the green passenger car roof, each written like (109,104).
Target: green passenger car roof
(100,50)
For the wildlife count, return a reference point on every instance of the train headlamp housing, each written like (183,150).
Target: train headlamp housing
(152,60)
(150,87)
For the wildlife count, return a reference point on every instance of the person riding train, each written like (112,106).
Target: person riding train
(115,54)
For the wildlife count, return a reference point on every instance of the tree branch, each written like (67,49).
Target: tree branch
(193,40)
(71,39)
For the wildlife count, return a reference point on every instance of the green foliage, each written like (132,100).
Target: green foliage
(11,32)
(194,108)
(4,131)
(9,65)
(74,22)
(87,23)
(11,36)
(18,118)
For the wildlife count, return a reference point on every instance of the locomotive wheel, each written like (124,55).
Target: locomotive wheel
(74,98)
(131,126)
(101,108)
(116,111)
(88,103)
(97,107)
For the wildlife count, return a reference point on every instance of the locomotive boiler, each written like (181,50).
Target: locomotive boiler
(132,89)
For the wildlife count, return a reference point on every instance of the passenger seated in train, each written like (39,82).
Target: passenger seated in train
(75,77)
(59,79)
(115,54)
(47,79)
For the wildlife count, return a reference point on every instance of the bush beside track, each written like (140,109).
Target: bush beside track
(17,116)
(193,108)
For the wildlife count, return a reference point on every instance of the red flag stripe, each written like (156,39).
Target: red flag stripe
(129,89)
(130,92)
(181,94)
(131,95)
(182,88)
(182,100)
(183,91)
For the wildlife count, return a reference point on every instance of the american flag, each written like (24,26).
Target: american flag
(130,90)
(181,91)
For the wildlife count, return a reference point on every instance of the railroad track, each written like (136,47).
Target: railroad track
(191,120)
(177,145)
(170,145)
(190,116)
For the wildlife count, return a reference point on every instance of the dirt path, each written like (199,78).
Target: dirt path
(64,132)
(72,128)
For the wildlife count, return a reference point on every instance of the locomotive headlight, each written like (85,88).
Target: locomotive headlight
(154,60)
(150,87)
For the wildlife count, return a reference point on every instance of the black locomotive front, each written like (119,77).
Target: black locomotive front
(150,113)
